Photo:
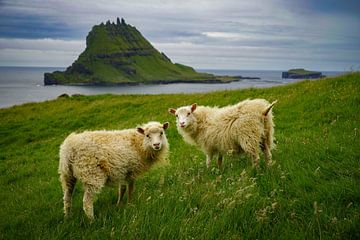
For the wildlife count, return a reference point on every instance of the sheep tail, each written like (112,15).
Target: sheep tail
(267,110)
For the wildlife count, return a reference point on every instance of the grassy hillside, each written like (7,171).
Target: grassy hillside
(312,191)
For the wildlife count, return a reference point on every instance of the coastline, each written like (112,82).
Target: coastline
(19,85)
(227,79)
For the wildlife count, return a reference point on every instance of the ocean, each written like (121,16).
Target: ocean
(20,85)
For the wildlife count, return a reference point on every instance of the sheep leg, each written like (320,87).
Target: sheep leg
(219,161)
(68,185)
(208,160)
(255,159)
(130,190)
(88,202)
(251,147)
(267,153)
(122,190)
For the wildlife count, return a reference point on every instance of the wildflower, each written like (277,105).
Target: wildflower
(315,207)
(317,210)
(274,205)
(112,233)
(317,170)
(273,193)
(261,214)
(161,181)
(193,210)
(229,180)
(231,203)
(247,196)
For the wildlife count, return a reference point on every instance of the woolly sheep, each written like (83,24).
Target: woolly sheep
(241,128)
(96,158)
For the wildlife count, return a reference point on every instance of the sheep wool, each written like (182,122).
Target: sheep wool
(242,128)
(97,158)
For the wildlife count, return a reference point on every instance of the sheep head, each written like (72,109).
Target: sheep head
(184,115)
(154,135)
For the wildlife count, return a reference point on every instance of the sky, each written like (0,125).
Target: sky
(205,34)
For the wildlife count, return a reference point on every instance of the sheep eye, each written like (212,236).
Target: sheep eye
(176,115)
(161,133)
(148,135)
(188,114)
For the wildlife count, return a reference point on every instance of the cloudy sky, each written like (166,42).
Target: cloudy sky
(205,34)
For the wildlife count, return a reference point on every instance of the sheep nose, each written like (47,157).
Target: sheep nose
(182,124)
(156,145)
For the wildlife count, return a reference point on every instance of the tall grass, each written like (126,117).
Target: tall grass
(311,192)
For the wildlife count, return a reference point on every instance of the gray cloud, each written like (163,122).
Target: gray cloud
(205,33)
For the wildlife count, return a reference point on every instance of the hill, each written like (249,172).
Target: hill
(301,73)
(117,53)
(312,191)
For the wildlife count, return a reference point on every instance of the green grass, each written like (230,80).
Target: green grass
(312,191)
(118,54)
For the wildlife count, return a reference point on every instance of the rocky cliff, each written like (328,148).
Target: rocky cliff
(117,53)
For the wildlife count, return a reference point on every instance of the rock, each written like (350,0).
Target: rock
(49,80)
(119,54)
(64,95)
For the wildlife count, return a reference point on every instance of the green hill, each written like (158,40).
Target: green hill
(312,191)
(301,73)
(119,54)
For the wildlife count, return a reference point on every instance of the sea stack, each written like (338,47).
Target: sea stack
(117,53)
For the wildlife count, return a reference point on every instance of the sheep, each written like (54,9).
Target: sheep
(97,158)
(241,128)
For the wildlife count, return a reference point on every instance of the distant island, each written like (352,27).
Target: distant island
(117,54)
(301,73)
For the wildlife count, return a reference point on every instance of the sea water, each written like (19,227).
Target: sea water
(20,85)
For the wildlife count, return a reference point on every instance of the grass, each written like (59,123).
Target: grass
(312,191)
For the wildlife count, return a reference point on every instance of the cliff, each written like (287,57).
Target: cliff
(117,53)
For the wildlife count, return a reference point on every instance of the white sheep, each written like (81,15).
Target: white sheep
(96,158)
(240,128)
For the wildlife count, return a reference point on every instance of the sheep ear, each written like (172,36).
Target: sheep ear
(140,130)
(172,110)
(166,125)
(193,107)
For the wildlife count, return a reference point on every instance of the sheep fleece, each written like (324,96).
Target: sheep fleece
(99,157)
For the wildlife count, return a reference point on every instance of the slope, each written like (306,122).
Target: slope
(312,191)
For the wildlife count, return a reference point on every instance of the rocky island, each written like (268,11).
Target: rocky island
(117,54)
(301,73)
